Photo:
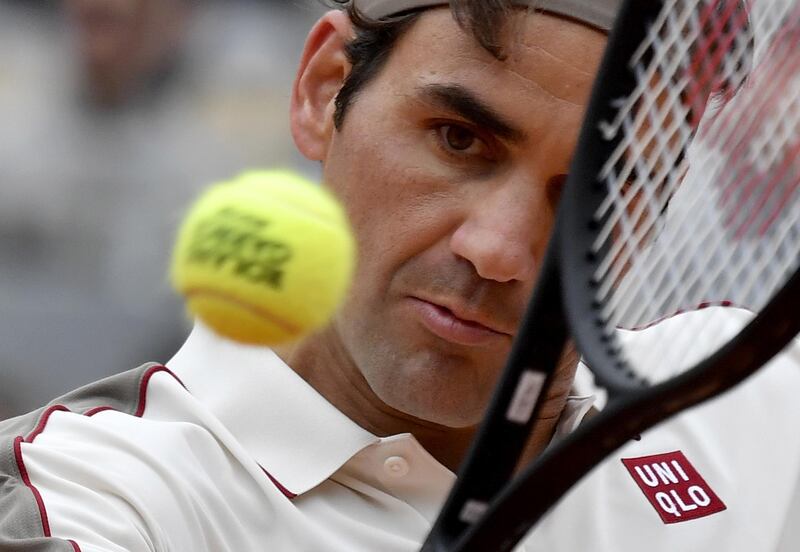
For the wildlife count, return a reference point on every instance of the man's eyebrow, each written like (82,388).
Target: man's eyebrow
(459,99)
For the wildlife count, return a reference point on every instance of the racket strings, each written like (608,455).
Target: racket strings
(723,23)
(703,188)
(761,274)
(626,213)
(658,116)
(741,266)
(671,60)
(745,182)
(772,143)
(714,271)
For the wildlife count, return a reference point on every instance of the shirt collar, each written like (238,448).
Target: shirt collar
(293,433)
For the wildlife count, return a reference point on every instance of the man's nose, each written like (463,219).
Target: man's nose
(503,234)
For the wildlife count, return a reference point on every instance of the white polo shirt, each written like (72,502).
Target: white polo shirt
(228,449)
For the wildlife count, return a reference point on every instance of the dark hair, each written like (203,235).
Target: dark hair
(374,40)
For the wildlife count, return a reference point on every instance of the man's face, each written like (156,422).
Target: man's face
(450,164)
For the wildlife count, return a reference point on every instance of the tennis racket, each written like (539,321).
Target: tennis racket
(684,192)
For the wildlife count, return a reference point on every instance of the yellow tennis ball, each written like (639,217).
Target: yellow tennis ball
(264,258)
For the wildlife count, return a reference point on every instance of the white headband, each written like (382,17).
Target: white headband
(597,13)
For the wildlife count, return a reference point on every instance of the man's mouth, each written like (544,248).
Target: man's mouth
(460,328)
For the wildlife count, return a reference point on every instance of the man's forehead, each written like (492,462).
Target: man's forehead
(596,13)
(438,64)
(555,56)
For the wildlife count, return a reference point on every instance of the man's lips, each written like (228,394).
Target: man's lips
(461,330)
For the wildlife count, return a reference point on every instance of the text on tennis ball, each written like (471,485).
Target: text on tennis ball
(232,240)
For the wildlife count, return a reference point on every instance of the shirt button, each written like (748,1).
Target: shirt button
(396,466)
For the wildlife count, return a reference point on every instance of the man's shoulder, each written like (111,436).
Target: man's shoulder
(123,392)
(111,421)
(69,454)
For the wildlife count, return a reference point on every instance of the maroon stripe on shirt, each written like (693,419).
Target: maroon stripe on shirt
(43,421)
(143,386)
(23,472)
(286,492)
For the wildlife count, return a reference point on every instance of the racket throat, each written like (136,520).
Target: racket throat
(531,371)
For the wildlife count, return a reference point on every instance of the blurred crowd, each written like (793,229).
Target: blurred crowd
(115,114)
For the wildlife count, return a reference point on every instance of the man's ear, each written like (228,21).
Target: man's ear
(323,69)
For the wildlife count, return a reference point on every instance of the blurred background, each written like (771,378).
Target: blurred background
(114,114)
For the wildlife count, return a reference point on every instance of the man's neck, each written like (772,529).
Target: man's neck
(322,360)
(324,363)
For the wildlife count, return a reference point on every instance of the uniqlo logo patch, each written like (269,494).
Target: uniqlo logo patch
(673,487)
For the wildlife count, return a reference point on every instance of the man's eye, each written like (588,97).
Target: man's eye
(458,138)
